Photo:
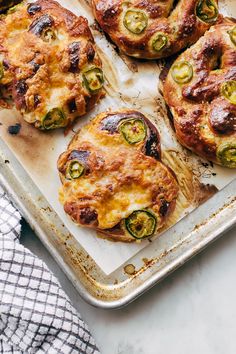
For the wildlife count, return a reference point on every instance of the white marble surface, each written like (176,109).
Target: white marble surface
(193,311)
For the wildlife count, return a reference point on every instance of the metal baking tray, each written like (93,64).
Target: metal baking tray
(152,263)
(192,234)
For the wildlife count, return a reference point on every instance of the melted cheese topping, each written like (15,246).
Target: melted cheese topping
(121,178)
(204,119)
(175,21)
(44,68)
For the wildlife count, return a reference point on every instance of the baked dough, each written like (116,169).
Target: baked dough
(154,29)
(113,179)
(200,91)
(49,64)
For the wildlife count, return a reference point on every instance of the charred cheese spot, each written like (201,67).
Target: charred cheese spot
(47,50)
(33,9)
(41,25)
(204,108)
(74,53)
(155,29)
(118,178)
(223,117)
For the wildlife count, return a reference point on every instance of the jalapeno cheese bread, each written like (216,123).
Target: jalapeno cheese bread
(49,64)
(113,179)
(200,90)
(154,29)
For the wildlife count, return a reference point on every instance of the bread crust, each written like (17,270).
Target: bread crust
(204,118)
(179,24)
(119,178)
(42,72)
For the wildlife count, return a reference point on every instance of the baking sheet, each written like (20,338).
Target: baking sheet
(129,83)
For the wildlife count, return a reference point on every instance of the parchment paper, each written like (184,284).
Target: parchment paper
(129,83)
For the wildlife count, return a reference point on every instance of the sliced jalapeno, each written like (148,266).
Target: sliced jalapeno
(232,35)
(55,118)
(133,130)
(141,224)
(159,42)
(226,154)
(74,170)
(228,90)
(135,21)
(13,6)
(48,35)
(182,72)
(207,10)
(93,79)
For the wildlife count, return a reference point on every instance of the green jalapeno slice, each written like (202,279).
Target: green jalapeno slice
(228,90)
(48,35)
(11,7)
(74,170)
(207,10)
(55,118)
(135,21)
(226,154)
(232,35)
(133,130)
(182,72)
(93,79)
(159,42)
(141,224)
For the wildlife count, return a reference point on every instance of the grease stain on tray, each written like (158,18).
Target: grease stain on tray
(129,269)
(33,147)
(14,129)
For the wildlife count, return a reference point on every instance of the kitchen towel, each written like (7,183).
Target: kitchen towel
(36,316)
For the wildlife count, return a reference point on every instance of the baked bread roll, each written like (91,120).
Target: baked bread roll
(49,64)
(200,91)
(113,179)
(154,29)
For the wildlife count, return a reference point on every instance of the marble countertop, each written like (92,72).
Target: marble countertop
(192,311)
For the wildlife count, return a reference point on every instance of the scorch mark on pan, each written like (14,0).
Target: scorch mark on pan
(34,148)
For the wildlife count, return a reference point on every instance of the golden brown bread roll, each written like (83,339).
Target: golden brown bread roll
(113,179)
(154,29)
(200,90)
(49,64)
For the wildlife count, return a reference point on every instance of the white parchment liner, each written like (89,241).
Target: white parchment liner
(129,83)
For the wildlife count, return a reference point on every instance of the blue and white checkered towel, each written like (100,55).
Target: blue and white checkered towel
(36,316)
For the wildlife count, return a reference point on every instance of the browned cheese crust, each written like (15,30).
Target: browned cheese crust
(161,27)
(204,108)
(118,178)
(45,51)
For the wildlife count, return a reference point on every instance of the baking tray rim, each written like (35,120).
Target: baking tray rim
(136,292)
